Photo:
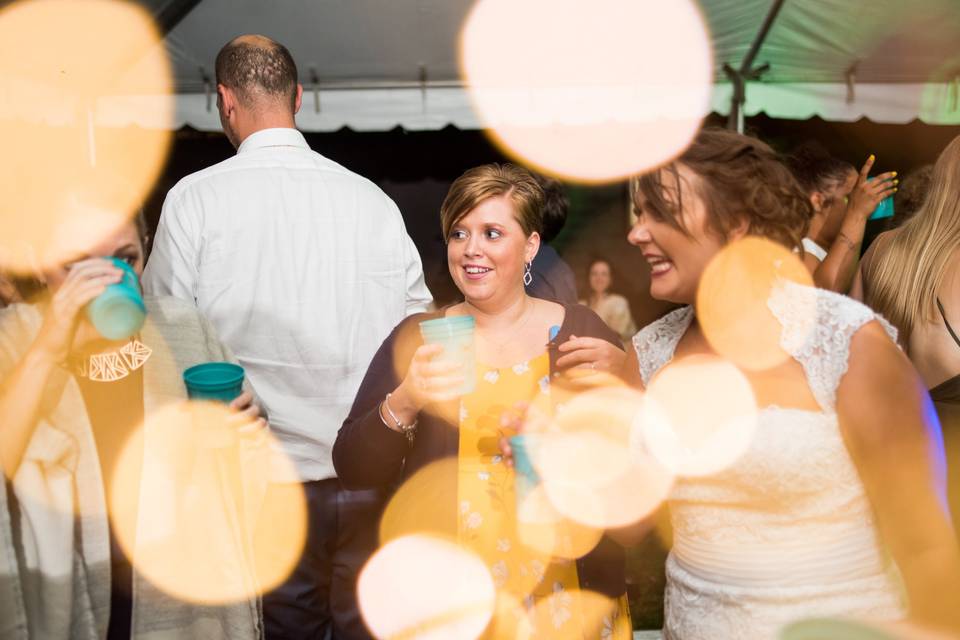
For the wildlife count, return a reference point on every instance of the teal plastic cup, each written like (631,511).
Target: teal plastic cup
(884,209)
(217,381)
(526,479)
(455,334)
(521,446)
(118,312)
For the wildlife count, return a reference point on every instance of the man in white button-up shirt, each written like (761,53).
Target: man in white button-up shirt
(304,268)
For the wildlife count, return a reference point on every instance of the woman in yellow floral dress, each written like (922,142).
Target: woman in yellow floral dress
(409,411)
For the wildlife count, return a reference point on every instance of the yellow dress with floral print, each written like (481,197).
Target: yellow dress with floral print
(538,595)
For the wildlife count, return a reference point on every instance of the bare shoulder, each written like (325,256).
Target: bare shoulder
(880,382)
(548,311)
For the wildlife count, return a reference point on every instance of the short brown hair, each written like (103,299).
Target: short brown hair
(490,181)
(739,179)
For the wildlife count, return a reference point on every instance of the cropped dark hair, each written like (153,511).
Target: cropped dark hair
(815,169)
(260,68)
(739,179)
(555,206)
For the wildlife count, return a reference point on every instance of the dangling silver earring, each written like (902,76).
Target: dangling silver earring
(527,276)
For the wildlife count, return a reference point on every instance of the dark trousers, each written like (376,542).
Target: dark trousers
(318,600)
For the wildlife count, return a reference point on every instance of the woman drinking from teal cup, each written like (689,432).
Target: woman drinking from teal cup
(82,367)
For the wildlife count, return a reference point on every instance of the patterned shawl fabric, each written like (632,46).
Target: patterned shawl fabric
(54,536)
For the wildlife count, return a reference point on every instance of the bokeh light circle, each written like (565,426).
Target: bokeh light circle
(588,91)
(189,506)
(702,437)
(424,504)
(733,302)
(598,616)
(77,77)
(585,462)
(425,587)
(542,528)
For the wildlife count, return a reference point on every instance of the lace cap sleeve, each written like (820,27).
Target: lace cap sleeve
(656,342)
(818,327)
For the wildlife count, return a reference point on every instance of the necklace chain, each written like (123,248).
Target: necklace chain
(114,365)
(515,332)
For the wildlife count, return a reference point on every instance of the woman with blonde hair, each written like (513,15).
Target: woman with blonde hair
(911,276)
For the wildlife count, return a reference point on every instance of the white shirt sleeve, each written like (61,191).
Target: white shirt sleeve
(173,267)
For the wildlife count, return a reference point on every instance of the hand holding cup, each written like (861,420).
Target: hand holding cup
(431,379)
(247,418)
(86,280)
(591,354)
(869,192)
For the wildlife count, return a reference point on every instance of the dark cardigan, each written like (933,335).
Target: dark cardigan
(369,455)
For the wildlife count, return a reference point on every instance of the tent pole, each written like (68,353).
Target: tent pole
(173,13)
(739,77)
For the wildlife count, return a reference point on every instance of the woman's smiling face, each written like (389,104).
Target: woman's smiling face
(487,250)
(677,259)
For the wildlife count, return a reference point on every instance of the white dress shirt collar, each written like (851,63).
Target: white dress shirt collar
(279,137)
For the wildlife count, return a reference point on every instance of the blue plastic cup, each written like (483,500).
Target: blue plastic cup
(526,479)
(118,312)
(884,209)
(456,335)
(218,381)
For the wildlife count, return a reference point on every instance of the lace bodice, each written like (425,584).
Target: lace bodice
(786,531)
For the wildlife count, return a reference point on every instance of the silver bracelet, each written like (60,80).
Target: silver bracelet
(409,430)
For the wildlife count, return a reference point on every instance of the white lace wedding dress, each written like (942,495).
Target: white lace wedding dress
(787,531)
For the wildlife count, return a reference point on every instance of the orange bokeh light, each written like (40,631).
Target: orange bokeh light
(702,437)
(66,69)
(188,506)
(427,588)
(585,462)
(733,301)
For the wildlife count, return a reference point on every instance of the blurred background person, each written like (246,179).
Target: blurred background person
(911,276)
(66,422)
(843,201)
(409,411)
(612,307)
(551,278)
(838,501)
(827,181)
(911,193)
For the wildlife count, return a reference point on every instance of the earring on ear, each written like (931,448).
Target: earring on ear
(527,276)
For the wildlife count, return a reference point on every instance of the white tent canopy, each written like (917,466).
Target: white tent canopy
(373,65)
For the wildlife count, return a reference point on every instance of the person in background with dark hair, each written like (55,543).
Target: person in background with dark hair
(550,277)
(612,307)
(912,192)
(304,268)
(842,203)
